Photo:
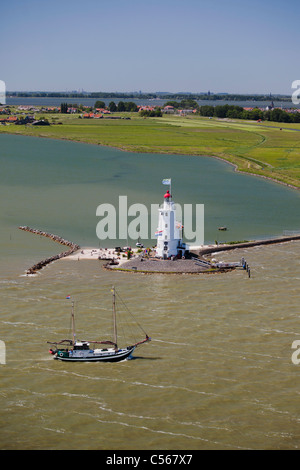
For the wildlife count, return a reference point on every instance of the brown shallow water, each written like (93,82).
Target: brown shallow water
(217,374)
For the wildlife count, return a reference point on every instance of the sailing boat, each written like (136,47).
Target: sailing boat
(81,351)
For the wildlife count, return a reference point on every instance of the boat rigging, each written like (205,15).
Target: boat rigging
(73,350)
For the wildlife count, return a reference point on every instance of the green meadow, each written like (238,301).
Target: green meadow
(268,149)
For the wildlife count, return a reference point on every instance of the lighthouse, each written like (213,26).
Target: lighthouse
(169,231)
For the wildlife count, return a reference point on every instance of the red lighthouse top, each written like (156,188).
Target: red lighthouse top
(167,195)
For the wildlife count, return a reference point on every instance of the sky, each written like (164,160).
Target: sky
(150,45)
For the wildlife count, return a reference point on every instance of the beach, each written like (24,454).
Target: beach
(90,253)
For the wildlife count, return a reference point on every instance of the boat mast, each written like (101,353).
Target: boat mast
(73,323)
(114,317)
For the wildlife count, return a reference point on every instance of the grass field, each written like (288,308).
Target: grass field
(268,149)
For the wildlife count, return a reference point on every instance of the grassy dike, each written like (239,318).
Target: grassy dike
(268,149)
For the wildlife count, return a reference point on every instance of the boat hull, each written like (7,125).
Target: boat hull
(117,356)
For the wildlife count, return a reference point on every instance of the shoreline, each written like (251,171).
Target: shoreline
(223,159)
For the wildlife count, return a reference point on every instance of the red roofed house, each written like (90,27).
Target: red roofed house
(168,109)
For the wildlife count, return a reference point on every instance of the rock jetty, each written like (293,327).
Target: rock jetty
(226,247)
(41,264)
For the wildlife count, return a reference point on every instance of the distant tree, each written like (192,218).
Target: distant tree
(256,114)
(131,107)
(121,106)
(295,117)
(188,104)
(237,112)
(206,110)
(99,104)
(112,107)
(267,115)
(64,108)
(175,104)
(147,113)
(278,115)
(221,111)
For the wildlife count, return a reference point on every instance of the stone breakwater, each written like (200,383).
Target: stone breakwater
(41,264)
(270,241)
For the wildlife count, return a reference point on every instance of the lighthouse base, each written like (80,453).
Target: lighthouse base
(169,249)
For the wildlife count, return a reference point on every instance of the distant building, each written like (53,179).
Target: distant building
(168,110)
(269,108)
(147,108)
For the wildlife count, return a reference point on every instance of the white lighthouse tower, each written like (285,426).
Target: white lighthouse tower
(169,231)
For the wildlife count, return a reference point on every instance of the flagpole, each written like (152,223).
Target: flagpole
(73,323)
(168,181)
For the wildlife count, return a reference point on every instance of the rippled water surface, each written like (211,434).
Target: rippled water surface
(217,374)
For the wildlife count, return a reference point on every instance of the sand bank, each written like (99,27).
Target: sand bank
(105,254)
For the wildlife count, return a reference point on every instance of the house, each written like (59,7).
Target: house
(146,108)
(184,112)
(103,110)
(168,110)
(92,116)
(25,120)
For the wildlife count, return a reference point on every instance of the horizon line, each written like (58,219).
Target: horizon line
(140,93)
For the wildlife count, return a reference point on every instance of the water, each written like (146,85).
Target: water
(218,373)
(57,186)
(36,101)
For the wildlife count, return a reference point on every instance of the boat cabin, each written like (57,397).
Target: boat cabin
(81,345)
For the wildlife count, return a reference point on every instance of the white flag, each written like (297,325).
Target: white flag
(167,181)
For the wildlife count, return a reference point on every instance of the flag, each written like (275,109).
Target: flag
(158,233)
(68,297)
(166,181)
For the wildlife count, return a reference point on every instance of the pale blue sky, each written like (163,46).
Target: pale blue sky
(153,45)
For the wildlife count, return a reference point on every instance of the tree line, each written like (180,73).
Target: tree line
(186,103)
(130,107)
(219,111)
(121,107)
(256,114)
(158,95)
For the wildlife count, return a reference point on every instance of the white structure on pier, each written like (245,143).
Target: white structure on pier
(169,231)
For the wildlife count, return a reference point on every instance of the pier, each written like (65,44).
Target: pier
(233,246)
(41,264)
